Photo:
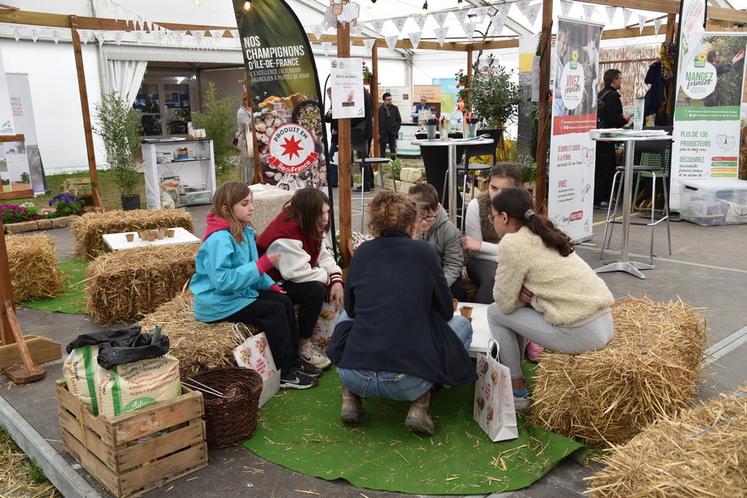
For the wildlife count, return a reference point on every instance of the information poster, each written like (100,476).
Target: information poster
(23,119)
(283,84)
(348,98)
(14,168)
(574,81)
(707,124)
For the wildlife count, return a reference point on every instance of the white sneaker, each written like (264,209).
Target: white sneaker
(312,354)
(522,404)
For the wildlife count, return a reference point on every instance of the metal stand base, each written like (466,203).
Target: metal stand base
(632,267)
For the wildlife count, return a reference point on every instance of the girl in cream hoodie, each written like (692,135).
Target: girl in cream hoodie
(544,292)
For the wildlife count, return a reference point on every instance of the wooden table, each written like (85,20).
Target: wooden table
(118,241)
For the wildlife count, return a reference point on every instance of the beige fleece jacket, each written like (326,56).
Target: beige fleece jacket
(566,290)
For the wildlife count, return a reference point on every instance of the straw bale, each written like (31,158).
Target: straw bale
(34,272)
(698,452)
(648,370)
(88,230)
(125,285)
(198,346)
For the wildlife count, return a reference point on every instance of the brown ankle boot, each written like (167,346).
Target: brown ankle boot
(419,417)
(352,411)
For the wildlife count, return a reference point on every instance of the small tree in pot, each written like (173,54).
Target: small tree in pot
(119,128)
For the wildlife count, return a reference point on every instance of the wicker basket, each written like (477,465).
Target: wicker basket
(232,419)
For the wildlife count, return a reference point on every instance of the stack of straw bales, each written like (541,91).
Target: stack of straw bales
(34,273)
(125,285)
(198,346)
(89,229)
(699,452)
(648,370)
(267,202)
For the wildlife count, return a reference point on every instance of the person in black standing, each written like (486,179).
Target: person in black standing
(389,123)
(609,115)
(364,126)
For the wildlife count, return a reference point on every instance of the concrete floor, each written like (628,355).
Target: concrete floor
(707,270)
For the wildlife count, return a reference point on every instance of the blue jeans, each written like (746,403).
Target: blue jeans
(392,385)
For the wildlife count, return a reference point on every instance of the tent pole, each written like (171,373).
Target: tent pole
(467,103)
(87,130)
(545,109)
(344,156)
(375,99)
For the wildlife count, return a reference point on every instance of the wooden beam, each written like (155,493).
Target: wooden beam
(343,159)
(6,290)
(673,7)
(545,109)
(87,129)
(35,18)
(402,44)
(375,100)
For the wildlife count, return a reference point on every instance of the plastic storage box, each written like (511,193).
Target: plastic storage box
(714,201)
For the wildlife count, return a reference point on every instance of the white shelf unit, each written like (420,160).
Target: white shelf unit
(196,172)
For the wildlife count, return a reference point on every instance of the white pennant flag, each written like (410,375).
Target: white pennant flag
(318,31)
(533,12)
(589,11)
(469,28)
(565,7)
(118,37)
(610,12)
(626,16)
(460,15)
(641,23)
(440,18)
(355,29)
(480,14)
(369,43)
(497,26)
(420,21)
(391,41)
(34,34)
(502,9)
(399,23)
(523,5)
(217,34)
(441,34)
(415,38)
(326,48)
(376,26)
(139,37)
(657,26)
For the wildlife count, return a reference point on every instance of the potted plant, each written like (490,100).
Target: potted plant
(493,96)
(219,121)
(118,126)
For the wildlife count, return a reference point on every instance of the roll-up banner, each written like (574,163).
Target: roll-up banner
(707,124)
(574,80)
(286,98)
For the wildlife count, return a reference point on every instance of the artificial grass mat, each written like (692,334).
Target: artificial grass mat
(301,430)
(72,299)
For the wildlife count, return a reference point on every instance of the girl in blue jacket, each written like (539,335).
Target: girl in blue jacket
(231,284)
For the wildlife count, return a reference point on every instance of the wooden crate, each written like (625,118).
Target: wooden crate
(133,453)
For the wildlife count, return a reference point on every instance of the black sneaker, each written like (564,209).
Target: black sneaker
(307,368)
(295,379)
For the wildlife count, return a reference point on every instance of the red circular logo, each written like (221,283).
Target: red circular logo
(292,149)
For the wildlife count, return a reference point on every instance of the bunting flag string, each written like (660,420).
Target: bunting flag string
(611,10)
(441,34)
(391,41)
(415,38)
(533,12)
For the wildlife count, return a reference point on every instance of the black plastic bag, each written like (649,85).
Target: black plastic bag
(120,346)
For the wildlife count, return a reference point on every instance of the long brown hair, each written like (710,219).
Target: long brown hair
(506,170)
(517,204)
(226,196)
(305,208)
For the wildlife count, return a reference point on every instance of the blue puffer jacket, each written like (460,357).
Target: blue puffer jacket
(227,278)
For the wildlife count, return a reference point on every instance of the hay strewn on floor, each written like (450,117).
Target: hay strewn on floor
(198,346)
(34,271)
(123,286)
(647,371)
(699,452)
(89,228)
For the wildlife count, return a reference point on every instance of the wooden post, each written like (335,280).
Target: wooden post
(467,105)
(545,108)
(6,291)
(87,130)
(375,99)
(343,157)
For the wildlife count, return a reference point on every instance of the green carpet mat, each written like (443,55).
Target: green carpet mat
(73,297)
(301,430)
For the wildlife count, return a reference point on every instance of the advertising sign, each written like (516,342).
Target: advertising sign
(572,152)
(348,99)
(283,84)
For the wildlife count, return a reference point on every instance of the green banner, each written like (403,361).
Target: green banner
(702,113)
(285,96)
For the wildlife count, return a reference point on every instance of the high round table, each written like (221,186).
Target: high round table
(451,145)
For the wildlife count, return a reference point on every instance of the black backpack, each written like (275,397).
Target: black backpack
(602,108)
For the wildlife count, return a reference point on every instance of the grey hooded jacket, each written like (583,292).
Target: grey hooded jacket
(447,239)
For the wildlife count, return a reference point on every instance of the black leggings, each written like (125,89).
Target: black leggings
(309,297)
(273,313)
(482,274)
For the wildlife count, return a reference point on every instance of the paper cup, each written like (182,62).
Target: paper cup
(466,312)
(130,237)
(170,233)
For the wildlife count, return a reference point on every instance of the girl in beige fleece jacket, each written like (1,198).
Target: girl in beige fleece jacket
(544,292)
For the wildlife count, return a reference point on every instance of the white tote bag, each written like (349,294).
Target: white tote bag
(255,353)
(494,401)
